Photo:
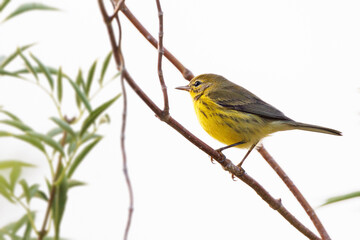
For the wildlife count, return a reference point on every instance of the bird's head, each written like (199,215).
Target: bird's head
(201,84)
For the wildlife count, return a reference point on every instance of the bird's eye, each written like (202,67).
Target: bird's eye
(197,83)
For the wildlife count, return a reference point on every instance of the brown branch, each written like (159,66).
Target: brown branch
(226,163)
(160,48)
(181,68)
(308,209)
(187,74)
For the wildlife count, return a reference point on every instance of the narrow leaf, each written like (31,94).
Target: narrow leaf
(75,183)
(44,70)
(40,194)
(25,188)
(3,183)
(48,141)
(59,204)
(64,125)
(11,57)
(90,78)
(14,176)
(80,157)
(3,4)
(80,80)
(81,95)
(19,125)
(5,134)
(28,64)
(54,132)
(31,140)
(341,198)
(96,113)
(6,73)
(59,85)
(26,7)
(104,68)
(5,193)
(14,163)
(9,114)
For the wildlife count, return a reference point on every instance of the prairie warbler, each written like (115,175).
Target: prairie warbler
(235,116)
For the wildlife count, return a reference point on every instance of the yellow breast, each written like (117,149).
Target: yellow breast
(230,126)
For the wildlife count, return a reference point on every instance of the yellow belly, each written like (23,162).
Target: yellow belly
(231,126)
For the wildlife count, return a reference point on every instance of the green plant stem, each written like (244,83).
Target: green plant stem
(43,230)
(28,212)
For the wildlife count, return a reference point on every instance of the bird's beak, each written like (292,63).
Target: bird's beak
(185,88)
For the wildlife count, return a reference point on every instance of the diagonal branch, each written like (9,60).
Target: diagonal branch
(221,159)
(310,212)
(189,76)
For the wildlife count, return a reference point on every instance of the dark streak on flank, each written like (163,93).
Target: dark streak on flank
(203,113)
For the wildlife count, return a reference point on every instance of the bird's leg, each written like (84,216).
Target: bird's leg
(226,147)
(247,154)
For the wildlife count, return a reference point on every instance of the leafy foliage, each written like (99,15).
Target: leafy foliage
(64,147)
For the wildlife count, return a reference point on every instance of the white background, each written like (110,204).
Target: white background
(301,56)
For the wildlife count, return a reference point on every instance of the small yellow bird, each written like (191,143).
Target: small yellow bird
(235,116)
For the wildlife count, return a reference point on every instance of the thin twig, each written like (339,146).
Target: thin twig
(125,168)
(160,48)
(189,76)
(120,63)
(226,163)
(308,209)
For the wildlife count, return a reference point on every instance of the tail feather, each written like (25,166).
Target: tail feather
(314,128)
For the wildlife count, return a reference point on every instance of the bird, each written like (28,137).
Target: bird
(235,116)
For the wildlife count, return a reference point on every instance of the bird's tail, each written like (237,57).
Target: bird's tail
(313,128)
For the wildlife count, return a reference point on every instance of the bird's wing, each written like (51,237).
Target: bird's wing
(239,99)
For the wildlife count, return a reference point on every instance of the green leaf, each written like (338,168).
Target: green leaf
(3,183)
(44,70)
(11,57)
(90,78)
(28,64)
(3,4)
(54,132)
(19,125)
(64,125)
(58,206)
(48,141)
(40,194)
(9,114)
(104,68)
(27,232)
(59,85)
(6,73)
(81,95)
(80,80)
(26,7)
(25,188)
(96,113)
(14,176)
(14,163)
(75,183)
(5,134)
(5,193)
(341,198)
(80,157)
(31,140)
